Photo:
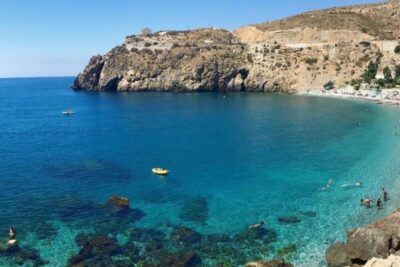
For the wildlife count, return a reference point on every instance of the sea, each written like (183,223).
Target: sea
(234,159)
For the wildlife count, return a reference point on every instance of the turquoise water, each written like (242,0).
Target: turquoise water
(234,161)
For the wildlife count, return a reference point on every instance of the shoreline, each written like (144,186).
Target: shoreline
(384,96)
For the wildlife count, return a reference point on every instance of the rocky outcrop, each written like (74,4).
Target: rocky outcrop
(391,261)
(295,54)
(379,240)
(272,263)
(200,60)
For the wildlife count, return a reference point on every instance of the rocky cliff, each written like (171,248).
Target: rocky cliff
(294,54)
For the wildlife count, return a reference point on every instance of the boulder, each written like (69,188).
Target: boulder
(379,239)
(392,261)
(336,255)
(272,263)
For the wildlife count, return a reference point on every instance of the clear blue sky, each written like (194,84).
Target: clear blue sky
(57,38)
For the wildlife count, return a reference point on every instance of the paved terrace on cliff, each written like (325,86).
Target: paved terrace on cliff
(294,54)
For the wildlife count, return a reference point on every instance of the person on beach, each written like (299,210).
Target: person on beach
(257,225)
(385,195)
(379,203)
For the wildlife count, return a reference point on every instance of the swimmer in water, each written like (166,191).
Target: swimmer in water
(326,187)
(257,225)
(358,184)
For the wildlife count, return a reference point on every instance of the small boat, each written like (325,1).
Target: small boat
(160,171)
(68,112)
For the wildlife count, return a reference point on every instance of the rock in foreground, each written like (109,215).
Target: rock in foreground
(392,261)
(272,263)
(379,239)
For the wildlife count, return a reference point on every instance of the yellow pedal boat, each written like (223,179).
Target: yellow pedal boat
(160,171)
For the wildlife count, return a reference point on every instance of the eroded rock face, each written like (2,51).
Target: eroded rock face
(294,54)
(379,239)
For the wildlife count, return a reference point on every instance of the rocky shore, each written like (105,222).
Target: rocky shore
(369,245)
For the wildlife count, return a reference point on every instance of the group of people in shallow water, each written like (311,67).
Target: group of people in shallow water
(367,202)
(379,204)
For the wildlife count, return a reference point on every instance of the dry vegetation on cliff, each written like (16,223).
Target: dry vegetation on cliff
(308,51)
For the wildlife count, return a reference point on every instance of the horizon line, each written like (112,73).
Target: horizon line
(38,77)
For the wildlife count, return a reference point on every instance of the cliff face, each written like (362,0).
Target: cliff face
(345,24)
(294,54)
(206,60)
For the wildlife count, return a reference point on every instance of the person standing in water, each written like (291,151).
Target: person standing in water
(385,195)
(12,235)
(379,203)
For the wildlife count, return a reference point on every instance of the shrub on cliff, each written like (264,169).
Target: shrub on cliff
(329,85)
(356,83)
(387,74)
(310,60)
(370,72)
(381,83)
(397,49)
(397,71)
(365,44)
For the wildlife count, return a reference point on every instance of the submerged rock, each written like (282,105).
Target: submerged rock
(195,210)
(289,219)
(272,263)
(95,249)
(22,256)
(249,235)
(118,203)
(189,259)
(218,238)
(378,239)
(118,207)
(185,236)
(287,250)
